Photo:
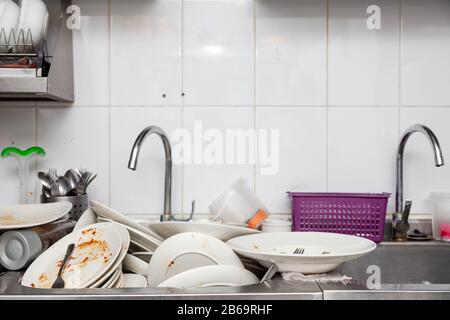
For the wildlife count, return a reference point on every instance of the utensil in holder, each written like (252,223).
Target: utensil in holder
(79,204)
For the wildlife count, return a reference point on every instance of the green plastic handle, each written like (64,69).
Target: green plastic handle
(11,151)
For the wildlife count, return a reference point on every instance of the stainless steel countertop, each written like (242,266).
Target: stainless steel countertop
(408,258)
(10,289)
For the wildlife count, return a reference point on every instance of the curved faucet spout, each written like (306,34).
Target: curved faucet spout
(438,158)
(132,163)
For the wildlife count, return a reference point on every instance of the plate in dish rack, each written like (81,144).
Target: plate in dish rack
(96,249)
(322,252)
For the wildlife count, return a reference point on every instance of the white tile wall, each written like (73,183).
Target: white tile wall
(218,52)
(142,191)
(302,156)
(204,183)
(420,175)
(291,40)
(425,52)
(91,49)
(363,63)
(17,129)
(145,52)
(339,93)
(76,137)
(362,145)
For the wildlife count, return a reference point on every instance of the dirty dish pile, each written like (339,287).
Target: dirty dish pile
(194,260)
(95,261)
(143,241)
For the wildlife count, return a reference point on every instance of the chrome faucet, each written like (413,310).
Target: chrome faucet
(400,223)
(132,164)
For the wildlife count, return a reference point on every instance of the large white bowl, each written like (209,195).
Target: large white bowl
(323,252)
(34,17)
(9,18)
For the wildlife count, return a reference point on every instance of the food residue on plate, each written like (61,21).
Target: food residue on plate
(87,251)
(9,220)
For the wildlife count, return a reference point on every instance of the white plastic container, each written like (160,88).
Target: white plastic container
(440,204)
(239,204)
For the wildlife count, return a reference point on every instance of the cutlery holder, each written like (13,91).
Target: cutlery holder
(359,214)
(79,204)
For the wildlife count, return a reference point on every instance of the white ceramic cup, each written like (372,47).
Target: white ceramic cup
(9,18)
(33,18)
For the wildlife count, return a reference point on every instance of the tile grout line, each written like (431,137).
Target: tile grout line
(182,97)
(400,53)
(254,87)
(109,109)
(327,96)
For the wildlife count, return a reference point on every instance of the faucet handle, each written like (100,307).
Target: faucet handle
(406,210)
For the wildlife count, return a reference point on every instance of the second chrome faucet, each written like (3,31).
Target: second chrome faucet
(400,218)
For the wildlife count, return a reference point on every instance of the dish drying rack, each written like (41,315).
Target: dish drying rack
(18,47)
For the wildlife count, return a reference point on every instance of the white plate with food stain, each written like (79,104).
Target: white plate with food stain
(220,231)
(186,251)
(125,236)
(211,276)
(322,252)
(31,215)
(96,249)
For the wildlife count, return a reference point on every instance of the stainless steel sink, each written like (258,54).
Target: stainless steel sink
(397,271)
(406,271)
(407,263)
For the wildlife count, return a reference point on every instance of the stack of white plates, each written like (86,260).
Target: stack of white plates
(96,260)
(142,239)
(192,260)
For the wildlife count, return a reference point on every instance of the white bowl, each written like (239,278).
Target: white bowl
(34,17)
(9,18)
(323,252)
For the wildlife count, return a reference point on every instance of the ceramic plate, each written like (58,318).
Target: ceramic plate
(131,280)
(186,251)
(97,248)
(323,252)
(111,280)
(31,215)
(142,240)
(119,283)
(108,213)
(87,218)
(211,276)
(124,235)
(220,231)
(134,264)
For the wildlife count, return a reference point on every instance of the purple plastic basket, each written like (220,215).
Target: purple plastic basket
(359,214)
